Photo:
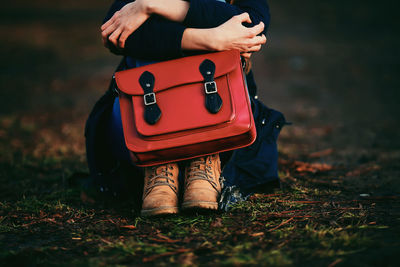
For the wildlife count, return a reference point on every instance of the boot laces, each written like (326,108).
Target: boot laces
(160,175)
(201,169)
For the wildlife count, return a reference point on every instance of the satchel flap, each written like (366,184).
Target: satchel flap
(176,72)
(183,109)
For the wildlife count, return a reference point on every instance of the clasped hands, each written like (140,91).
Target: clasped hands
(229,35)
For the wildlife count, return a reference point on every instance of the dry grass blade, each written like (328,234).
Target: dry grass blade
(282,224)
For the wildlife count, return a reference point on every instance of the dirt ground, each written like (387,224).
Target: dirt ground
(330,67)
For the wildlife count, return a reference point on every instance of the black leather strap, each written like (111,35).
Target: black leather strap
(152,112)
(213,99)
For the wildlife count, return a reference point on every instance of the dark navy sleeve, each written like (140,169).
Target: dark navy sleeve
(156,39)
(212,13)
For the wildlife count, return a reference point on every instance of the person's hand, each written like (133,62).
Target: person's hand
(233,35)
(124,22)
(248,54)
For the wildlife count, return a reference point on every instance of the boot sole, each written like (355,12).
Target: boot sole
(200,205)
(159,211)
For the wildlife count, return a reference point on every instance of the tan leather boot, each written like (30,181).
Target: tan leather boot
(160,193)
(202,187)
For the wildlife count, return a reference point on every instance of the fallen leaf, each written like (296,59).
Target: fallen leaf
(312,167)
(164,239)
(257,234)
(335,263)
(106,241)
(281,224)
(363,170)
(322,153)
(130,227)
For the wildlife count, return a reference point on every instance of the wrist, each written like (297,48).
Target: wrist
(214,40)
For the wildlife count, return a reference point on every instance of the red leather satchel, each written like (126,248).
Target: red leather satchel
(185,108)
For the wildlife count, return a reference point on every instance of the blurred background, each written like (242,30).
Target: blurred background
(330,66)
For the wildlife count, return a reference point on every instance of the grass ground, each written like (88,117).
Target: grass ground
(339,204)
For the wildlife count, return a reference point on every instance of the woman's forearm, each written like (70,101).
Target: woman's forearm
(174,10)
(131,16)
(198,39)
(230,35)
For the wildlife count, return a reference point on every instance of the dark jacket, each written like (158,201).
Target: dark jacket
(245,170)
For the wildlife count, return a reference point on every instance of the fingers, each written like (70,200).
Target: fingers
(259,40)
(256,41)
(257,29)
(253,31)
(107,24)
(244,17)
(115,36)
(122,38)
(117,30)
(253,44)
(254,48)
(107,31)
(104,41)
(249,51)
(246,55)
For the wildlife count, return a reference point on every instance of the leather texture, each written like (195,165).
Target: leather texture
(186,128)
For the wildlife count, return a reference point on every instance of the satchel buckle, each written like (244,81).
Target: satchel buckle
(210,87)
(149,99)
